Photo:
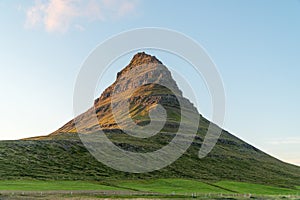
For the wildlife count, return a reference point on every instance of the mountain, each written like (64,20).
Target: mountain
(145,83)
(61,154)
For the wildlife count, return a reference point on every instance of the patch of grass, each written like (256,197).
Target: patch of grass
(37,185)
(171,186)
(186,187)
(246,188)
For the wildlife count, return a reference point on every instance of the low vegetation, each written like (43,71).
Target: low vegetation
(154,188)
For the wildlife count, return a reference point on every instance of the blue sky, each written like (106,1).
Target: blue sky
(255,45)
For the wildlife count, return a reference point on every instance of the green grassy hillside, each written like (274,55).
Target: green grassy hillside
(65,158)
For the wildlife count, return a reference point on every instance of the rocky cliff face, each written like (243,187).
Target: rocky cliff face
(144,83)
(142,69)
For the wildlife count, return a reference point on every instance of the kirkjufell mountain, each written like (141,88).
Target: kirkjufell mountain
(61,154)
(144,83)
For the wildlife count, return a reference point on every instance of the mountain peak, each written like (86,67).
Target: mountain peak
(140,59)
(142,69)
(143,58)
(145,82)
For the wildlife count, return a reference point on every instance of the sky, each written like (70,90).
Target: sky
(255,45)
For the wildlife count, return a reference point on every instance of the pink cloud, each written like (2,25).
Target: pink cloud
(60,15)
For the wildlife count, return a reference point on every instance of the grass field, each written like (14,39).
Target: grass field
(161,186)
(246,188)
(37,185)
(172,186)
(180,186)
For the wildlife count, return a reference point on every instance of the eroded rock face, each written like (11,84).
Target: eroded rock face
(139,59)
(142,84)
(143,69)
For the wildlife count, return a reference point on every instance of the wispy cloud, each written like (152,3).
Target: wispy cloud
(288,140)
(60,15)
